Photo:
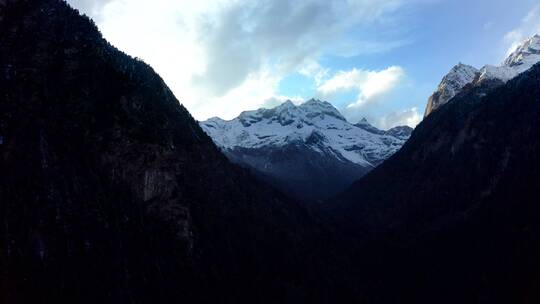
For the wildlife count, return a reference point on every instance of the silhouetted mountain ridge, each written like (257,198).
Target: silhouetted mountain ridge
(111,192)
(458,205)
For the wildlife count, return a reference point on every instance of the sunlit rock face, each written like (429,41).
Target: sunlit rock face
(451,85)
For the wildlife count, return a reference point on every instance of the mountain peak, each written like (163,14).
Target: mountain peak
(461,67)
(520,60)
(363,121)
(316,101)
(288,104)
(366,126)
(314,107)
(528,51)
(459,76)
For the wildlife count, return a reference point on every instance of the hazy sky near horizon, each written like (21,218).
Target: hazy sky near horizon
(379,59)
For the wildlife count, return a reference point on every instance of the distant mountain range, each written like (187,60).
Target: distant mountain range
(310,151)
(326,151)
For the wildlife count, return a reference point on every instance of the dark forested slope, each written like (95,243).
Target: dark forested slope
(111,192)
(458,206)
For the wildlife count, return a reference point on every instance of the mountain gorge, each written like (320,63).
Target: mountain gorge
(110,192)
(309,151)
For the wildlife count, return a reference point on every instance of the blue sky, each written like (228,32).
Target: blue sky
(370,58)
(436,35)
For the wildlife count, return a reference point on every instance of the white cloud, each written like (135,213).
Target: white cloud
(410,117)
(514,39)
(92,8)
(258,90)
(369,84)
(530,25)
(314,70)
(223,56)
(343,81)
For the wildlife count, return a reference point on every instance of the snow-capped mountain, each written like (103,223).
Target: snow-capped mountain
(310,146)
(458,77)
(403,132)
(519,61)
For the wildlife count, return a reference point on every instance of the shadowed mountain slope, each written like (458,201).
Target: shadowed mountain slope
(111,192)
(457,208)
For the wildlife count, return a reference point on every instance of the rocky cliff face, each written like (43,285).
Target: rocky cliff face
(310,151)
(458,77)
(110,192)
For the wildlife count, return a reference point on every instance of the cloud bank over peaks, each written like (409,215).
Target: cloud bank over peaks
(409,117)
(225,56)
(245,36)
(530,25)
(369,85)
